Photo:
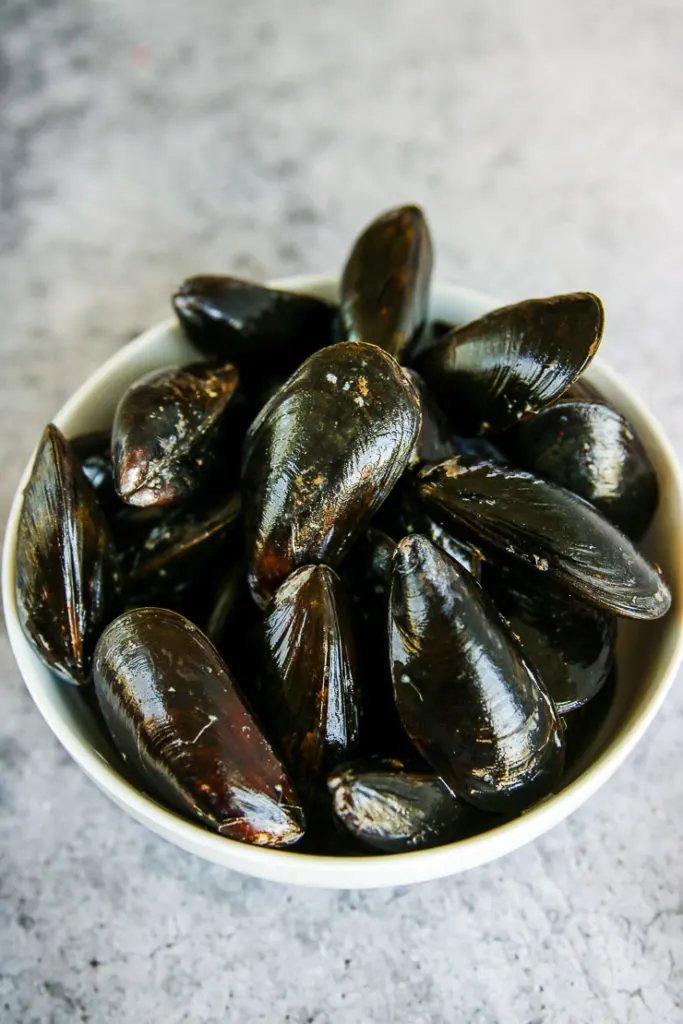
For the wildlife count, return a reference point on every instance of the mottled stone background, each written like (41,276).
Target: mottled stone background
(141,141)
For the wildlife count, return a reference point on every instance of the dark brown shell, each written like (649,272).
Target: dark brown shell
(416,518)
(589,448)
(393,808)
(321,457)
(384,293)
(551,530)
(66,585)
(513,361)
(180,722)
(180,547)
(93,452)
(435,441)
(569,644)
(470,704)
(257,328)
(164,432)
(312,690)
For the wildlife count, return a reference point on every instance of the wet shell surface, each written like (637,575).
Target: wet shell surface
(551,530)
(469,702)
(321,457)
(66,584)
(179,721)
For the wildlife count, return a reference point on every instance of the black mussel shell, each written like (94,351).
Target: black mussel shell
(393,808)
(251,325)
(384,293)
(321,457)
(367,570)
(180,722)
(435,440)
(416,518)
(589,448)
(513,361)
(583,727)
(93,452)
(479,448)
(469,702)
(569,644)
(66,583)
(164,432)
(312,690)
(366,575)
(551,530)
(179,549)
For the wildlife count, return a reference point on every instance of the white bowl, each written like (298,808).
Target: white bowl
(648,654)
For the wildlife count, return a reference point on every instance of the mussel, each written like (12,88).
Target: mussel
(395,808)
(164,432)
(181,547)
(251,325)
(312,687)
(435,441)
(469,702)
(93,452)
(66,583)
(513,361)
(569,644)
(384,292)
(321,457)
(591,449)
(551,530)
(416,518)
(179,721)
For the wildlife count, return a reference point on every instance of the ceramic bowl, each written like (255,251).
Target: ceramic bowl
(648,654)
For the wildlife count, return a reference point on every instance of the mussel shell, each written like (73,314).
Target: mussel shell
(583,727)
(165,428)
(321,457)
(178,549)
(570,645)
(416,518)
(93,452)
(251,325)
(384,292)
(312,690)
(66,583)
(366,574)
(551,530)
(513,361)
(387,806)
(470,703)
(435,440)
(180,722)
(589,448)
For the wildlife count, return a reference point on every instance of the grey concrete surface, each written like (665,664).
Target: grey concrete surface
(143,141)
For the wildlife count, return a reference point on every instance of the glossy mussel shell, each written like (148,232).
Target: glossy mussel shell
(165,430)
(321,457)
(384,293)
(312,689)
(589,448)
(66,583)
(394,808)
(467,699)
(513,361)
(569,643)
(180,722)
(253,326)
(551,530)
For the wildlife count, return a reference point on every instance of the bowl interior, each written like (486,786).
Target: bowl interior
(647,653)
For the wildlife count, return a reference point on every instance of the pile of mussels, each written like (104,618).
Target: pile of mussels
(347,581)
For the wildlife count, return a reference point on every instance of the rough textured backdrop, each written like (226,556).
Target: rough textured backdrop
(140,142)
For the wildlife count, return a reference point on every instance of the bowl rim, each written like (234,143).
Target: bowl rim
(332,871)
